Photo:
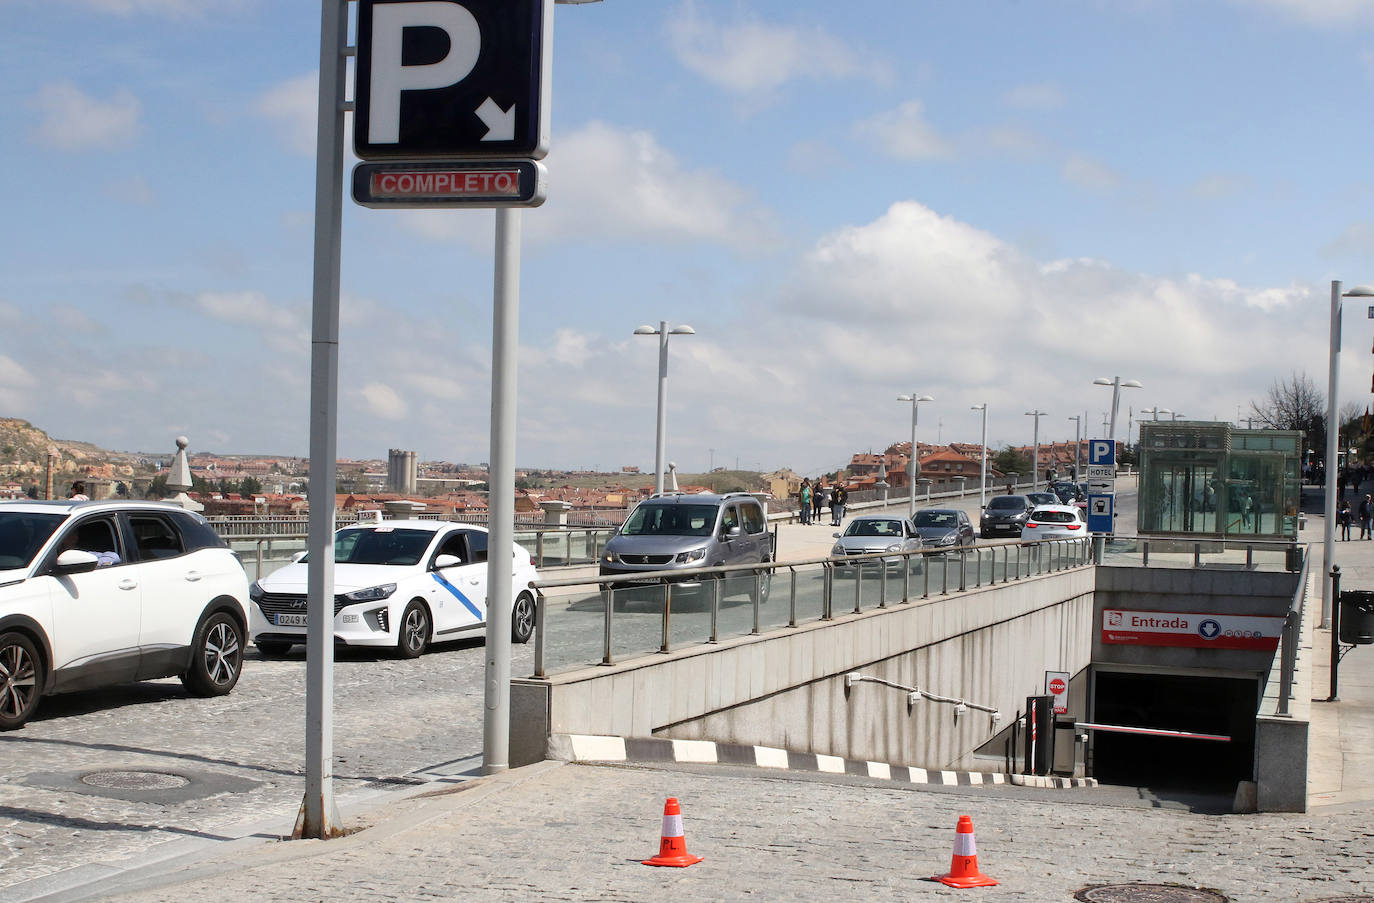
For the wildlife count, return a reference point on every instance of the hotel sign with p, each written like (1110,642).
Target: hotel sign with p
(443,79)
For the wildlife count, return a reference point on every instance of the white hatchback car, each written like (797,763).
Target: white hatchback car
(1054,522)
(400,584)
(101,593)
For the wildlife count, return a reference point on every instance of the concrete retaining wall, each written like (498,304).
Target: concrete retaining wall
(989,646)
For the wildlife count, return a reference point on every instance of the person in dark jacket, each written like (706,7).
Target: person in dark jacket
(838,496)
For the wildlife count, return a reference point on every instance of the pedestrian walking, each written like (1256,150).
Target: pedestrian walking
(816,493)
(1344,520)
(838,496)
(1366,513)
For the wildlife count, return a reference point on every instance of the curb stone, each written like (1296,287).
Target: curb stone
(589,748)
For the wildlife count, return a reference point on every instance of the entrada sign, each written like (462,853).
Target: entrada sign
(1204,630)
(442,78)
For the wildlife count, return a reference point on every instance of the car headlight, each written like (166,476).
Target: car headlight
(256,592)
(371,594)
(837,549)
(947,540)
(691,555)
(610,558)
(895,547)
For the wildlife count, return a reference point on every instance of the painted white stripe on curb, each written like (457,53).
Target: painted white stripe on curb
(998,778)
(605,749)
(879,770)
(975,778)
(949,777)
(694,751)
(831,764)
(770,757)
(919,775)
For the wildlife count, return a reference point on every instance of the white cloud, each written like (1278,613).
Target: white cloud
(380,400)
(1085,172)
(293,106)
(72,120)
(134,190)
(1356,240)
(1042,96)
(611,183)
(753,59)
(1322,13)
(903,133)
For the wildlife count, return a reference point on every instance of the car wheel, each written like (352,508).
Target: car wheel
(522,619)
(272,648)
(413,638)
(765,586)
(216,656)
(19,679)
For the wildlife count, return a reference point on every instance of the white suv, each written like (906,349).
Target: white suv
(101,593)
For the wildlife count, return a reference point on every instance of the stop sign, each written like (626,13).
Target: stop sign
(1057,686)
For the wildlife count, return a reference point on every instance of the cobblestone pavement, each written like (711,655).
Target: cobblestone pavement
(246,751)
(575,832)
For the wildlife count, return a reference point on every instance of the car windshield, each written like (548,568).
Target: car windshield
(1006,503)
(23,534)
(874,528)
(381,545)
(1054,517)
(936,519)
(671,520)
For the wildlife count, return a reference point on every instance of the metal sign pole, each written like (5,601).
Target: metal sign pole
(318,817)
(505,344)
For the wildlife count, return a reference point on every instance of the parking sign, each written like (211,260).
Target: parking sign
(1101,452)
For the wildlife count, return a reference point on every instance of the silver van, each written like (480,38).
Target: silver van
(678,531)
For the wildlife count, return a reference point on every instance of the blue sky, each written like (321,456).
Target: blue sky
(994,201)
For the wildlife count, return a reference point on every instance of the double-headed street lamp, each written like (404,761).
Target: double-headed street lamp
(913,463)
(1155,412)
(1329,526)
(660,436)
(1035,462)
(983,459)
(1117,385)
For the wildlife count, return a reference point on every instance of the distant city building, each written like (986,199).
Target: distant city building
(402,471)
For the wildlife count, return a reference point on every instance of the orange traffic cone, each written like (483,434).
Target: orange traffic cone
(963,866)
(672,849)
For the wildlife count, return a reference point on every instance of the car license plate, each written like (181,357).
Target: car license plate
(284,620)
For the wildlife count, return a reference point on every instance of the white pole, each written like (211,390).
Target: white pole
(318,817)
(983,478)
(1329,521)
(1116,399)
(505,348)
(913,464)
(661,433)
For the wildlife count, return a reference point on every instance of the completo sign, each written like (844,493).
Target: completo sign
(515,183)
(1191,629)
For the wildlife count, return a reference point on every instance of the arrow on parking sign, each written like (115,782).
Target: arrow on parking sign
(1209,629)
(500,123)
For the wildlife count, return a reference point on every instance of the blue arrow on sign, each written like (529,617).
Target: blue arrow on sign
(1209,629)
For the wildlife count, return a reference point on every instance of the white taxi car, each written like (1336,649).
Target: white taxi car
(400,584)
(100,593)
(1054,522)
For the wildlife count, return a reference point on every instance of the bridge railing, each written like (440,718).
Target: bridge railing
(582,621)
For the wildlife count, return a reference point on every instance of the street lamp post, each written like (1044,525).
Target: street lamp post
(1329,510)
(1035,456)
(913,464)
(660,436)
(983,459)
(1077,441)
(1155,412)
(1117,385)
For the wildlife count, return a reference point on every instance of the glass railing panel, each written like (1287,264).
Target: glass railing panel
(573,628)
(637,620)
(809,580)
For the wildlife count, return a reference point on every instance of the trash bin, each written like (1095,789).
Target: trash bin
(1357,617)
(1293,559)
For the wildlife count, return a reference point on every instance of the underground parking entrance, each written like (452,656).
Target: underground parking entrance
(1174,731)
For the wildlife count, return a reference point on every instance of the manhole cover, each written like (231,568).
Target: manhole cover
(134,780)
(1148,893)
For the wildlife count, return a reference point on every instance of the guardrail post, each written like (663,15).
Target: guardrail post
(608,591)
(963,570)
(858,587)
(539,607)
(906,576)
(715,610)
(667,616)
(1197,554)
(539,547)
(758,599)
(827,593)
(1249,556)
(792,597)
(882,585)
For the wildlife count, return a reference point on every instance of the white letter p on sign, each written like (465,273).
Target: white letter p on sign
(1101,452)
(390,77)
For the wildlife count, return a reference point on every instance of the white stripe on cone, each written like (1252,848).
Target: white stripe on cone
(672,826)
(964,846)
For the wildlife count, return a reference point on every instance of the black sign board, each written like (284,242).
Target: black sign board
(451,78)
(436,184)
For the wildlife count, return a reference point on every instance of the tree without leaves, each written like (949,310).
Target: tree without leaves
(1294,404)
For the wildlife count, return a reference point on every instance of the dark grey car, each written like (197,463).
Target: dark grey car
(680,532)
(943,528)
(1004,515)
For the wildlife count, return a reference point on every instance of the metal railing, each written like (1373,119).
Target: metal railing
(588,621)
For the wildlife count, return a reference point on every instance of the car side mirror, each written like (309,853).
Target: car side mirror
(296,558)
(836,535)
(733,532)
(75,561)
(446,561)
